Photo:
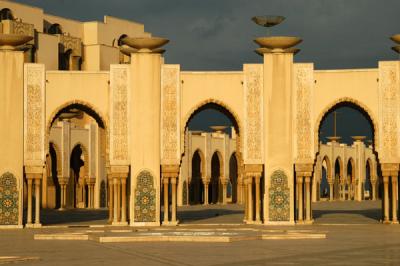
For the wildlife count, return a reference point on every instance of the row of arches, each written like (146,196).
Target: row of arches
(340,183)
(196,184)
(215,188)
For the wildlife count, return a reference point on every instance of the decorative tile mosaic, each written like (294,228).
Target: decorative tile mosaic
(279,197)
(8,200)
(145,198)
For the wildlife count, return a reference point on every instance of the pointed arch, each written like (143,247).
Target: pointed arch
(358,105)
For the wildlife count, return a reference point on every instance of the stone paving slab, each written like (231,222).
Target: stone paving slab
(194,234)
(16,259)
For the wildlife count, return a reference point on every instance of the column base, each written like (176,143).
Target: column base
(11,227)
(254,222)
(395,222)
(61,209)
(309,222)
(33,226)
(386,222)
(300,222)
(170,223)
(119,223)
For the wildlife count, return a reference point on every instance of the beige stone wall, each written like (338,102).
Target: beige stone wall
(67,87)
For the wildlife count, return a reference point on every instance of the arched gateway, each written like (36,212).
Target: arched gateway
(144,105)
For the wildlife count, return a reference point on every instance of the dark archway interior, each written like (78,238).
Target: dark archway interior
(196,186)
(233,176)
(215,179)
(6,14)
(211,114)
(77,106)
(75,165)
(324,186)
(351,120)
(54,175)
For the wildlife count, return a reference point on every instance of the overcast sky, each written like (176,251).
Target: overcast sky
(218,34)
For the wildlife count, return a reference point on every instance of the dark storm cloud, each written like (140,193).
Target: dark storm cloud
(218,34)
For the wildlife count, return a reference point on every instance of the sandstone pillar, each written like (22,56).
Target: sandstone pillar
(110,199)
(386,199)
(300,198)
(37,202)
(394,199)
(145,114)
(123,204)
(206,183)
(12,121)
(330,191)
(308,199)
(34,175)
(166,203)
(115,216)
(249,199)
(173,200)
(374,183)
(170,174)
(258,199)
(29,209)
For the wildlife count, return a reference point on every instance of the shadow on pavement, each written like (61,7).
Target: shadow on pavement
(73,216)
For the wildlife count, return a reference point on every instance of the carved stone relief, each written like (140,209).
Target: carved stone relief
(303,97)
(119,115)
(34,114)
(170,108)
(253,114)
(388,110)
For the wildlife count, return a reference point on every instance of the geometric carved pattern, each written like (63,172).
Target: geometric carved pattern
(253,114)
(119,113)
(279,197)
(8,200)
(303,111)
(34,114)
(145,198)
(388,110)
(170,126)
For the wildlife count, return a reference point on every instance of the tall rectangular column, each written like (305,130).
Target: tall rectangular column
(144,136)
(12,134)
(278,136)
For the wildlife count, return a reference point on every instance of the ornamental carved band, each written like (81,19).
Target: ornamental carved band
(388,109)
(119,115)
(253,114)
(34,114)
(8,200)
(145,198)
(303,91)
(279,197)
(170,106)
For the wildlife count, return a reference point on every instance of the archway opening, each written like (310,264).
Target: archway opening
(346,135)
(211,167)
(76,166)
(233,178)
(196,186)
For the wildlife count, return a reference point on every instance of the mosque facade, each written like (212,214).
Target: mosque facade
(93,116)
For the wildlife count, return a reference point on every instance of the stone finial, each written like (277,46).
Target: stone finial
(13,41)
(143,44)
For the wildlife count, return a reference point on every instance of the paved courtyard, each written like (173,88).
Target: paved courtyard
(344,233)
